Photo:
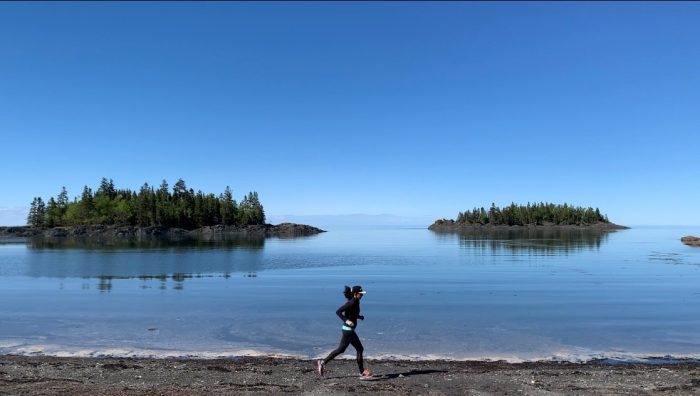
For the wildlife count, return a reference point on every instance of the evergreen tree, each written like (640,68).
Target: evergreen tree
(86,206)
(31,217)
(106,188)
(144,207)
(183,208)
(62,206)
(53,216)
(536,214)
(163,205)
(228,208)
(199,213)
(37,213)
(251,210)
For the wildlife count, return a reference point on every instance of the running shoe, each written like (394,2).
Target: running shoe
(320,367)
(365,374)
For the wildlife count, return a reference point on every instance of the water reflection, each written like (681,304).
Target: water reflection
(102,243)
(105,282)
(167,263)
(532,242)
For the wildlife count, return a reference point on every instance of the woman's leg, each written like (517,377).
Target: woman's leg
(355,341)
(344,342)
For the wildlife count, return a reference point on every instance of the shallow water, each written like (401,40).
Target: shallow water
(518,296)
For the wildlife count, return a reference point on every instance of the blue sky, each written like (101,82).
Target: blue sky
(416,110)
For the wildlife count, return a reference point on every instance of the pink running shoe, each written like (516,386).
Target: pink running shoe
(320,367)
(365,374)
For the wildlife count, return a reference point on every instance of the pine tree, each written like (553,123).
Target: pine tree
(183,208)
(86,206)
(52,213)
(31,217)
(228,207)
(37,213)
(62,205)
(163,205)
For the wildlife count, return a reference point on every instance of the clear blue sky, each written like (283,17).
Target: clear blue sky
(411,109)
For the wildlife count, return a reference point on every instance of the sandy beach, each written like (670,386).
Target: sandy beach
(40,375)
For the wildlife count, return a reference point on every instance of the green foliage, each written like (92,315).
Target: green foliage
(53,215)
(251,210)
(37,213)
(228,210)
(533,214)
(181,208)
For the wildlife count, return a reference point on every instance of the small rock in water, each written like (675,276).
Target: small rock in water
(152,328)
(691,240)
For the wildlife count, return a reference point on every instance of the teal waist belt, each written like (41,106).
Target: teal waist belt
(347,327)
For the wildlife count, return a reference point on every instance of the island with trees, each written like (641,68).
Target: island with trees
(538,215)
(151,212)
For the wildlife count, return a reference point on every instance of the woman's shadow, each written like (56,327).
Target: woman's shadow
(383,377)
(390,376)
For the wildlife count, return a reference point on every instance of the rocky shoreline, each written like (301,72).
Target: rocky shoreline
(43,375)
(283,230)
(444,225)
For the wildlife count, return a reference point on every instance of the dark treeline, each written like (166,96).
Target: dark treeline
(533,214)
(180,207)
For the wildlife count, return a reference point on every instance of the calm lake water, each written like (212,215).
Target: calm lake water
(570,296)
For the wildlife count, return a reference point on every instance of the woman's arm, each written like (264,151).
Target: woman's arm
(341,311)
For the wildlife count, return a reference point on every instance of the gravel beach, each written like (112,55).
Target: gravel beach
(40,375)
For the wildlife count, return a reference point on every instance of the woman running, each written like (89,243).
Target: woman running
(349,313)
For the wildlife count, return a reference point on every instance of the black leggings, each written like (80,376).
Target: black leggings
(349,337)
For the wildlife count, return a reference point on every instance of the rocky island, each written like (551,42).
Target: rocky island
(178,214)
(524,217)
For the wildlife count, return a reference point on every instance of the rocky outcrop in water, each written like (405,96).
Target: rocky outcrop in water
(691,240)
(284,230)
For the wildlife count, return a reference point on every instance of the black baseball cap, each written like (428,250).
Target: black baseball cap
(358,289)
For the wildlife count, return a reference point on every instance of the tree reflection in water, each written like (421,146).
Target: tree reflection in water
(161,260)
(216,242)
(528,241)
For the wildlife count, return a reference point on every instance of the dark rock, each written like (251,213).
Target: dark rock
(291,230)
(56,232)
(100,232)
(691,240)
(18,231)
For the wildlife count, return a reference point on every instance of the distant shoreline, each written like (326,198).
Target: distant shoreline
(453,226)
(133,232)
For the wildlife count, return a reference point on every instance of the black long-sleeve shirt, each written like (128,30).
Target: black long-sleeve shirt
(350,311)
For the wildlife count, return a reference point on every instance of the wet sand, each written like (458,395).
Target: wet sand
(40,375)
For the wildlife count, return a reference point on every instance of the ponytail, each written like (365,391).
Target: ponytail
(347,292)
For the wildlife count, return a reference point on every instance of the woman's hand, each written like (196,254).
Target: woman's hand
(349,323)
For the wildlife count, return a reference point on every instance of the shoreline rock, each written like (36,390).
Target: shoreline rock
(691,240)
(283,230)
